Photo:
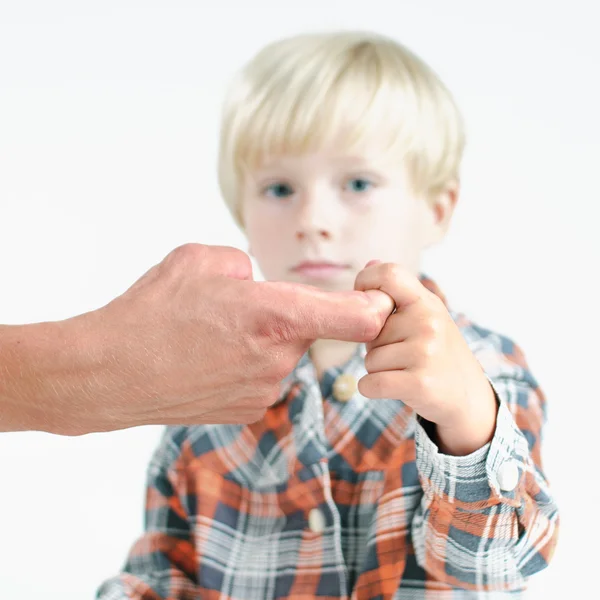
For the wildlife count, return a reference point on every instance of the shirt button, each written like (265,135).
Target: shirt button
(316,521)
(508,476)
(344,387)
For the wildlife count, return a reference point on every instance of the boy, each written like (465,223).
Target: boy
(406,468)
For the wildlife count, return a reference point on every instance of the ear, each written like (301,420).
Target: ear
(443,204)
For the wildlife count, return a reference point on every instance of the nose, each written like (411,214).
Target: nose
(314,219)
(307,233)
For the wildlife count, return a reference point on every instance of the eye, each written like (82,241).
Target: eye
(278,190)
(358,185)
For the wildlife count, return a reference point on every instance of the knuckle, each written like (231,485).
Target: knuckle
(423,384)
(233,261)
(237,254)
(243,260)
(431,327)
(182,258)
(431,347)
(427,333)
(276,328)
(188,253)
(391,272)
(373,325)
(371,360)
(428,349)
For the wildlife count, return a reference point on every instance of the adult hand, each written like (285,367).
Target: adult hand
(195,340)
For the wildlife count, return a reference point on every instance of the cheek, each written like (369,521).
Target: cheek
(391,236)
(266,238)
(257,222)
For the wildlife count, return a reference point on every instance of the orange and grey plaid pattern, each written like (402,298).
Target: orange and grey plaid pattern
(227,514)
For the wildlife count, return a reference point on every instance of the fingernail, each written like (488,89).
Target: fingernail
(372,262)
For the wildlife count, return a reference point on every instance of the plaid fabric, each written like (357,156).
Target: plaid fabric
(230,508)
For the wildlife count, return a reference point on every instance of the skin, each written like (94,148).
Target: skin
(178,347)
(350,210)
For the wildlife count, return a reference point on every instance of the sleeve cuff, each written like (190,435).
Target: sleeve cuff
(492,474)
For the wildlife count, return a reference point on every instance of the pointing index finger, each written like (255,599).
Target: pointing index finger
(310,313)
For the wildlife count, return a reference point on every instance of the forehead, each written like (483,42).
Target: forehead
(327,160)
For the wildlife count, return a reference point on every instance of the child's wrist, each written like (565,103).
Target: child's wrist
(470,429)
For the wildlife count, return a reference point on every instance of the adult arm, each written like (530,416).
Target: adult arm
(195,340)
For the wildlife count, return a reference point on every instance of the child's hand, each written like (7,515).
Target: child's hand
(421,358)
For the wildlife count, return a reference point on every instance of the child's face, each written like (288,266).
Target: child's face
(318,219)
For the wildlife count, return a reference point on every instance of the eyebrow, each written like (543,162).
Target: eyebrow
(354,161)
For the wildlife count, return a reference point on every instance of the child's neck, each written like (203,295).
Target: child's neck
(326,354)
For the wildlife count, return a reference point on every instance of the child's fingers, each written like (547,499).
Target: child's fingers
(398,328)
(396,281)
(393,357)
(385,385)
(372,262)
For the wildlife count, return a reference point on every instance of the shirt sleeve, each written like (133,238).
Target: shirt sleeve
(162,563)
(487,521)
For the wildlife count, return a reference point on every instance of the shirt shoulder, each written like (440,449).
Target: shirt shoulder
(498,354)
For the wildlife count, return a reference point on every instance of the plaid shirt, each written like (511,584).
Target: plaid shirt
(337,500)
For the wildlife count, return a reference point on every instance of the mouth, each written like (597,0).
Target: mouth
(320,269)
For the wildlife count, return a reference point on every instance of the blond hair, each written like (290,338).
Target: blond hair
(344,88)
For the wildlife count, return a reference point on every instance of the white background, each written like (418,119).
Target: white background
(108,130)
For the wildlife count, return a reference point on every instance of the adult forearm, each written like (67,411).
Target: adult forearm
(193,341)
(46,374)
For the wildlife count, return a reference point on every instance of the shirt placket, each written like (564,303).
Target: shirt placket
(323,517)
